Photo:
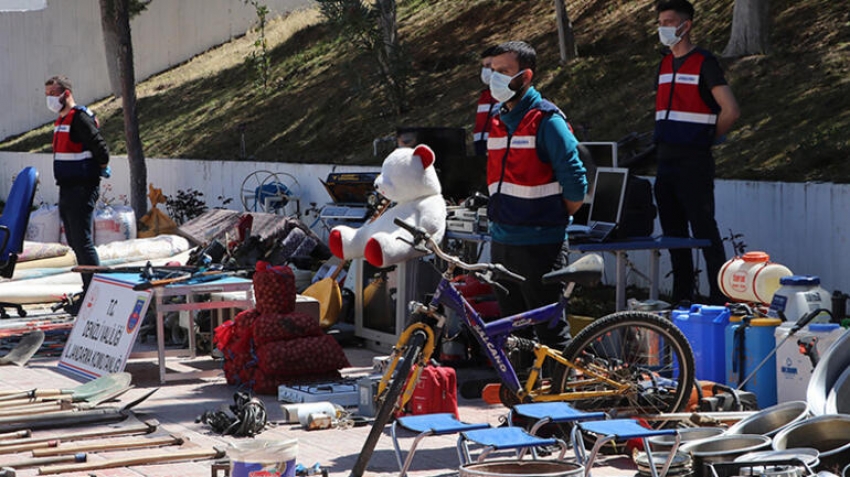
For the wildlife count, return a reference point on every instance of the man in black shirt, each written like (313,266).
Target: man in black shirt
(694,109)
(80,159)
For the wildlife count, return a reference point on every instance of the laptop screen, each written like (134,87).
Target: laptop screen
(604,154)
(608,194)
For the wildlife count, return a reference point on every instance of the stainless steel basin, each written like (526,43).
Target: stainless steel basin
(770,420)
(829,434)
(723,448)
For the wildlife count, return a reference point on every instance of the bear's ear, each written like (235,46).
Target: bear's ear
(426,155)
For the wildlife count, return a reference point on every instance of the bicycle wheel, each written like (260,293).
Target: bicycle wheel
(642,350)
(387,402)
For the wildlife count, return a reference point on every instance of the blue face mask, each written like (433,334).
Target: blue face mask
(500,86)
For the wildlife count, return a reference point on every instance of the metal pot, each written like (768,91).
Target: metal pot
(722,449)
(829,434)
(691,434)
(770,420)
(520,468)
(767,462)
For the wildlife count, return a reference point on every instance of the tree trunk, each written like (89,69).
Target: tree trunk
(566,35)
(118,13)
(110,45)
(749,28)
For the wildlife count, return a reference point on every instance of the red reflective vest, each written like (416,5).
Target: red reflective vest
(523,188)
(486,110)
(681,115)
(70,161)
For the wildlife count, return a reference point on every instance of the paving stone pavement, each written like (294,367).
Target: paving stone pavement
(176,405)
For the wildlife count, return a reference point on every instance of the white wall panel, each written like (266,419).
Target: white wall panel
(803,226)
(66,38)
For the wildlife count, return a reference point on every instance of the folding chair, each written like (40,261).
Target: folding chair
(504,438)
(13,227)
(617,430)
(554,412)
(428,425)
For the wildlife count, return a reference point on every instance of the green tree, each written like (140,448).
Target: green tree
(373,28)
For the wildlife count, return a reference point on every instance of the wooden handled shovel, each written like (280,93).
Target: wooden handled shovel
(41,461)
(145,459)
(99,385)
(109,444)
(25,444)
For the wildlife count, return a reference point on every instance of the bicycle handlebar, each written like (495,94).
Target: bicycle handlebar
(423,241)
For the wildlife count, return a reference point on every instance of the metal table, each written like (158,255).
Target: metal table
(190,292)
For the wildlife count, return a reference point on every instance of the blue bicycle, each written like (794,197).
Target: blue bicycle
(629,363)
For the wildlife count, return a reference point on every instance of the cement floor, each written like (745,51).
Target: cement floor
(176,406)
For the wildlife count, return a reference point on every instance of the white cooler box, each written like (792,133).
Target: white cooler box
(794,369)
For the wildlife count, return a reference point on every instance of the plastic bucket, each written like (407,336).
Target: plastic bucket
(518,468)
(758,341)
(751,277)
(794,369)
(798,295)
(263,457)
(773,419)
(704,326)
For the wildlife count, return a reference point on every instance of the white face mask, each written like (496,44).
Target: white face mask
(486,73)
(54,103)
(669,35)
(500,86)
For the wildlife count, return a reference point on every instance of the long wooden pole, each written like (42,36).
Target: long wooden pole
(147,459)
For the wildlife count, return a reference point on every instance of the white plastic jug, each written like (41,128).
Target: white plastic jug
(751,277)
(798,295)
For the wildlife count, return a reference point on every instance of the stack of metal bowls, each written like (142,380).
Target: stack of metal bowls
(771,420)
(829,434)
(723,448)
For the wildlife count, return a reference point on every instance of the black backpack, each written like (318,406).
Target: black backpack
(639,211)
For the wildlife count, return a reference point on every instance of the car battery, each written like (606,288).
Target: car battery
(368,389)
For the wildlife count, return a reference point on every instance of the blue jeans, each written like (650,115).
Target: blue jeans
(76,208)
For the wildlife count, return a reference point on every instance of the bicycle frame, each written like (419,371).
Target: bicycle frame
(493,338)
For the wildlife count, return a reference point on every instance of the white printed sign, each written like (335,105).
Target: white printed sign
(106,326)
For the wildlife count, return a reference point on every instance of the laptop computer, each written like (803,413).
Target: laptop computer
(609,193)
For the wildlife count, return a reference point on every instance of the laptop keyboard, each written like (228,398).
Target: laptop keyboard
(595,233)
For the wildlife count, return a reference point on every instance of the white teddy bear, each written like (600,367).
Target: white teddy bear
(409,180)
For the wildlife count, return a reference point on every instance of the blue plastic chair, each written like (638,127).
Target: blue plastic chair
(13,227)
(504,438)
(428,425)
(616,430)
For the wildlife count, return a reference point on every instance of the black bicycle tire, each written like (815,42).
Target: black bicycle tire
(382,417)
(639,320)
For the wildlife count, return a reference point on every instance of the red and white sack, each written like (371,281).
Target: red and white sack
(274,288)
(301,356)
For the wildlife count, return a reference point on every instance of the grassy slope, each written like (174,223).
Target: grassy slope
(326,107)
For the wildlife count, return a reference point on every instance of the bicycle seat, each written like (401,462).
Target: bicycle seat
(585,271)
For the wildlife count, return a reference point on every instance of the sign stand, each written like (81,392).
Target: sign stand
(106,327)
